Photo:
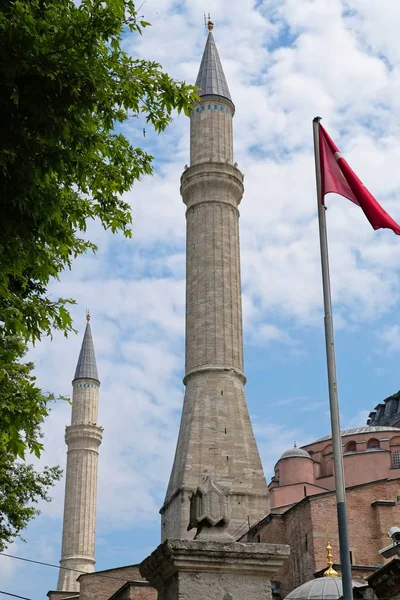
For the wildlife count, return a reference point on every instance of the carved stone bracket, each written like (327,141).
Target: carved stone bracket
(209,512)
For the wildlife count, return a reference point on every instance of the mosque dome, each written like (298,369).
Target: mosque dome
(328,587)
(356,430)
(321,588)
(295,452)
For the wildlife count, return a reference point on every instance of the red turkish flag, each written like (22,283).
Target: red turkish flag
(339,178)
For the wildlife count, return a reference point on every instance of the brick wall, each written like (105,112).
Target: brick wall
(57,595)
(135,591)
(103,584)
(371,509)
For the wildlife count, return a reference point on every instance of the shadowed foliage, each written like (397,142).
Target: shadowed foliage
(65,84)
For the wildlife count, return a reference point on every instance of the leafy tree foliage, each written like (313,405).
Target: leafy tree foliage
(66,87)
(22,405)
(21,486)
(23,408)
(65,83)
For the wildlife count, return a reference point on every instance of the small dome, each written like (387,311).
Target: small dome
(295,452)
(321,588)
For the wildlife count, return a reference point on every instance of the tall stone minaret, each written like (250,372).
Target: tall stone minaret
(83,438)
(216,436)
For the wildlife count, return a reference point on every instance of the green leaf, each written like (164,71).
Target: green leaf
(66,83)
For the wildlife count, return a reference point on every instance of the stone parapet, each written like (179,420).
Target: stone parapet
(205,570)
(212,182)
(83,437)
(220,369)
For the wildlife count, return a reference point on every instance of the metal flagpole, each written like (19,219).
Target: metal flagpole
(332,383)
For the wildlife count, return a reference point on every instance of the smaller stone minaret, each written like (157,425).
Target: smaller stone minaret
(83,438)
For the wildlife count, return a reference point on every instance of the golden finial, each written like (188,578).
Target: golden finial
(210,24)
(87,315)
(330,572)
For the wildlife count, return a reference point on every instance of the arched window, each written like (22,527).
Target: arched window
(396,459)
(327,450)
(395,441)
(373,444)
(328,467)
(351,446)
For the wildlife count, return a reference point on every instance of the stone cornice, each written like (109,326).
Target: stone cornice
(173,556)
(210,367)
(213,176)
(83,431)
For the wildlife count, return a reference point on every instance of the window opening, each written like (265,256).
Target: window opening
(396,460)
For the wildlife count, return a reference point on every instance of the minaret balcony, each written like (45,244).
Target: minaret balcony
(83,436)
(212,182)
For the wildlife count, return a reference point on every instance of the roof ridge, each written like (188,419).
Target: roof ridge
(355,430)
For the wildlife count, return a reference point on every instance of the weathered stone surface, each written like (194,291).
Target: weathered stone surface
(83,438)
(186,569)
(385,582)
(122,583)
(209,512)
(215,437)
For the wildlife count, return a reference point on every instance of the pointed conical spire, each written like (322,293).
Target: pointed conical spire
(211,78)
(87,367)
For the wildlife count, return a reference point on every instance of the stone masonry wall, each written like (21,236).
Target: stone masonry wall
(215,437)
(214,335)
(371,509)
(85,406)
(105,584)
(211,131)
(83,438)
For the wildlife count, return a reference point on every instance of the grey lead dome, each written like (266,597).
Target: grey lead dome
(321,588)
(211,78)
(354,431)
(295,452)
(87,367)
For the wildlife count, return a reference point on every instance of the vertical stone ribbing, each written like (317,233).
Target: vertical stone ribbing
(215,437)
(213,315)
(83,438)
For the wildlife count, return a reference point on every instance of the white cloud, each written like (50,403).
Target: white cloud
(390,338)
(135,288)
(356,420)
(273,439)
(8,566)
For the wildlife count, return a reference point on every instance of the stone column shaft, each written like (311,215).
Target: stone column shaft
(213,288)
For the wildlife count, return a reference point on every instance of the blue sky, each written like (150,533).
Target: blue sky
(286,61)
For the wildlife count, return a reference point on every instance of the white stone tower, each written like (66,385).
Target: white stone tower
(216,437)
(83,438)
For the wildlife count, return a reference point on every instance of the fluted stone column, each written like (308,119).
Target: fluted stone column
(216,437)
(83,438)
